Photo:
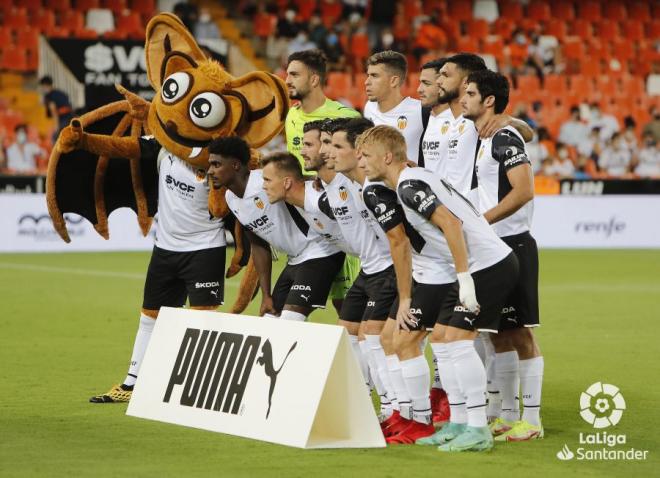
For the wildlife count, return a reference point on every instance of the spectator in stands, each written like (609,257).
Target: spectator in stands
(187,12)
(536,153)
(300,43)
(57,105)
(616,158)
(334,51)
(520,112)
(430,38)
(607,123)
(380,19)
(205,27)
(560,165)
(592,145)
(354,6)
(287,27)
(546,140)
(573,130)
(317,30)
(653,126)
(648,158)
(22,155)
(629,134)
(386,41)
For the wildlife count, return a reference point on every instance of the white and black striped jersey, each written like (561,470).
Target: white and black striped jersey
(435,141)
(357,225)
(430,264)
(497,155)
(406,117)
(184,222)
(421,192)
(318,213)
(279,224)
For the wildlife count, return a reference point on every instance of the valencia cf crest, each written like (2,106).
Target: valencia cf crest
(445,127)
(343,193)
(318,223)
(258,202)
(402,122)
(461,128)
(200,175)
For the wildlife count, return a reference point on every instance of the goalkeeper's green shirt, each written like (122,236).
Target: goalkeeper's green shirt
(296,119)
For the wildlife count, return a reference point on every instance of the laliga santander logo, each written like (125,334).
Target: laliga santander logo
(602,405)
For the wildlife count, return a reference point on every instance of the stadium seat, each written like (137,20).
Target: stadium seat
(84,5)
(43,20)
(573,48)
(144,7)
(357,97)
(130,22)
(73,20)
(607,86)
(116,6)
(16,18)
(412,9)
(582,28)
(608,29)
(581,86)
(503,27)
(85,34)
(623,50)
(460,11)
(358,80)
(467,44)
(530,84)
(590,67)
(56,32)
(557,28)
(359,46)
(33,59)
(100,20)
(615,11)
(412,82)
(6,38)
(486,10)
(493,45)
(511,10)
(330,12)
(28,38)
(539,11)
(58,5)
(590,10)
(598,49)
(339,83)
(632,86)
(640,11)
(478,28)
(562,10)
(14,59)
(555,85)
(32,6)
(653,29)
(633,30)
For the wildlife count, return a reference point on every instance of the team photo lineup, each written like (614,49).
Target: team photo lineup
(337,224)
(413,219)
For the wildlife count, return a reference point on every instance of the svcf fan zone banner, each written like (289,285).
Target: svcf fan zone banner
(25,226)
(100,64)
(292,383)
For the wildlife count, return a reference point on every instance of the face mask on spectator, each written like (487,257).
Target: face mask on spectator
(290,15)
(563,154)
(205,18)
(520,39)
(21,137)
(387,39)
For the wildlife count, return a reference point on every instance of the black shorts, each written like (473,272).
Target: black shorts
(307,284)
(370,297)
(174,276)
(493,286)
(522,306)
(427,299)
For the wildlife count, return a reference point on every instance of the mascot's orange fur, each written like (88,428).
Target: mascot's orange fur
(94,174)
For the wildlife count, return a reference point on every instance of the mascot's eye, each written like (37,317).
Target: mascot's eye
(207,110)
(175,86)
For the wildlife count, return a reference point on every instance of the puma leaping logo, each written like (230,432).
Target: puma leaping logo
(469,321)
(214,293)
(266,360)
(306,297)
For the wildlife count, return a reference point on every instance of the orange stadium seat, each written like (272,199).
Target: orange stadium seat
(16,18)
(33,59)
(144,7)
(478,28)
(330,12)
(493,45)
(339,83)
(43,20)
(598,49)
(622,49)
(590,10)
(412,83)
(32,6)
(116,6)
(28,37)
(460,11)
(632,86)
(590,66)
(73,20)
(608,29)
(530,84)
(633,30)
(640,11)
(84,5)
(563,10)
(85,34)
(359,46)
(358,80)
(539,11)
(6,38)
(582,28)
(653,29)
(412,8)
(305,8)
(511,10)
(615,11)
(555,85)
(557,28)
(14,59)
(467,44)
(130,22)
(503,27)
(581,86)
(58,5)
(573,48)
(57,32)
(607,86)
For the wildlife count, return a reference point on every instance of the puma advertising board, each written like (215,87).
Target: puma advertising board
(285,382)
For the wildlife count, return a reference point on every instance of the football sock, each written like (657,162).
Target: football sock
(458,411)
(506,372)
(437,381)
(471,376)
(291,315)
(417,378)
(399,386)
(531,381)
(380,367)
(139,348)
(364,367)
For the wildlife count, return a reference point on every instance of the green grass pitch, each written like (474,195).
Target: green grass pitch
(66,332)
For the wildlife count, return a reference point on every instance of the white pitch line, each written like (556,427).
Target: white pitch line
(85,272)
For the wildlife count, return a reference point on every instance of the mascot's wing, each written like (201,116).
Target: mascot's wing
(94,185)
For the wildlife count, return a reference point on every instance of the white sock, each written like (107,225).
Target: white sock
(377,354)
(437,381)
(480,347)
(417,377)
(494,408)
(531,381)
(471,376)
(291,315)
(399,386)
(139,348)
(456,398)
(364,367)
(506,371)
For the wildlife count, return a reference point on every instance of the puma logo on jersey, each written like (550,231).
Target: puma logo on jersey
(306,297)
(257,223)
(469,320)
(301,287)
(179,184)
(214,293)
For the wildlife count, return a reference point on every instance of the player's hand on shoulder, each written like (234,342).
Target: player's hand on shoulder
(494,124)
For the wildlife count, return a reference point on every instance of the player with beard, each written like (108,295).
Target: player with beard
(386,74)
(486,268)
(300,288)
(436,134)
(305,77)
(506,199)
